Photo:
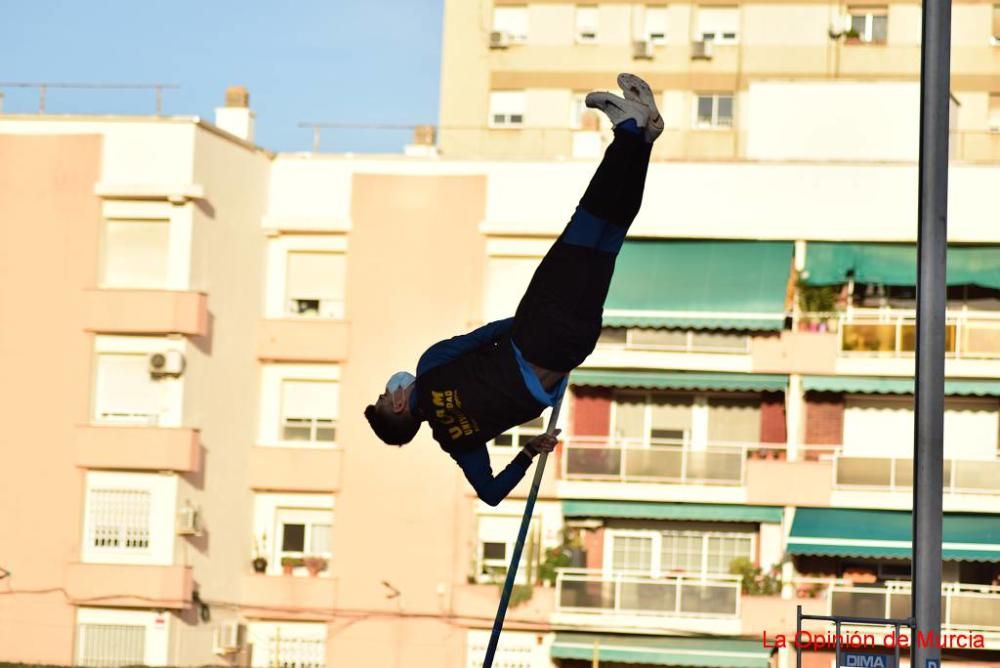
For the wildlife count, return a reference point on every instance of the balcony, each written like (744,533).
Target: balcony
(663,469)
(138,448)
(964,607)
(130,586)
(295,469)
(289,593)
(859,478)
(626,601)
(118,311)
(302,340)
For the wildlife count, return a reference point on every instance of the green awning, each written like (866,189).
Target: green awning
(700,512)
(680,380)
(882,385)
(886,534)
(700,284)
(827,263)
(662,650)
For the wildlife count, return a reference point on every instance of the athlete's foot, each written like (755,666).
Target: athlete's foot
(619,109)
(637,90)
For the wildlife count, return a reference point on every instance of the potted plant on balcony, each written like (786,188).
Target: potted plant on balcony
(818,304)
(555,558)
(289,564)
(315,565)
(260,549)
(754,581)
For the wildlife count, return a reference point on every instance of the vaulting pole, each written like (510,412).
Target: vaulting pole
(508,585)
(932,245)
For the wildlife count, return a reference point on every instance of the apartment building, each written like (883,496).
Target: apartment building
(514,73)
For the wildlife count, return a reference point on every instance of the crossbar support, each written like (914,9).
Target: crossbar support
(508,585)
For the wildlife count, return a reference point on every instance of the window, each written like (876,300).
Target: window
(713,110)
(301,533)
(113,637)
(521,434)
(994,112)
(514,650)
(309,410)
(580,117)
(586,24)
(288,644)
(655,25)
(719,25)
(136,253)
(506,108)
(497,535)
(126,393)
(513,21)
(996,24)
(658,553)
(656,419)
(314,285)
(869,24)
(119,519)
(129,518)
(505,283)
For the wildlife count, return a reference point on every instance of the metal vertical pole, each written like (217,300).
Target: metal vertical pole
(932,246)
(508,585)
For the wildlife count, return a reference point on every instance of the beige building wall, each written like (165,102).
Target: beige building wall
(399,511)
(222,379)
(49,230)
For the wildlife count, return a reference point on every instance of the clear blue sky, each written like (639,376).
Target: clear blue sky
(303,60)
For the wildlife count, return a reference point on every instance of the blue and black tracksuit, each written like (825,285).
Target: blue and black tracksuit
(473,387)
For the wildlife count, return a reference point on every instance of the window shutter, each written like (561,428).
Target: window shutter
(717,20)
(309,399)
(136,253)
(124,386)
(314,275)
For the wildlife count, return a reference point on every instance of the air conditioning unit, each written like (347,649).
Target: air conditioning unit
(167,363)
(188,521)
(229,638)
(701,50)
(642,49)
(499,39)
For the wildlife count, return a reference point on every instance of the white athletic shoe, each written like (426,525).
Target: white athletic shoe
(638,90)
(618,109)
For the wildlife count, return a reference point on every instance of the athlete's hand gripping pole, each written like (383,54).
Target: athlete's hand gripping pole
(508,584)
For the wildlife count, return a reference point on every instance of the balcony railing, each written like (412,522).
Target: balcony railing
(961,476)
(661,461)
(893,332)
(963,606)
(673,595)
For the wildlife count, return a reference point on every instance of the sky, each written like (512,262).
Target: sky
(357,61)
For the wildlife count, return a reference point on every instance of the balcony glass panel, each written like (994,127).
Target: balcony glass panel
(659,463)
(593,462)
(974,476)
(648,596)
(974,611)
(864,471)
(859,603)
(593,593)
(708,599)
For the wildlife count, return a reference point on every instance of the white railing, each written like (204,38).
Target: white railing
(138,419)
(665,340)
(672,595)
(892,332)
(961,476)
(963,606)
(661,461)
